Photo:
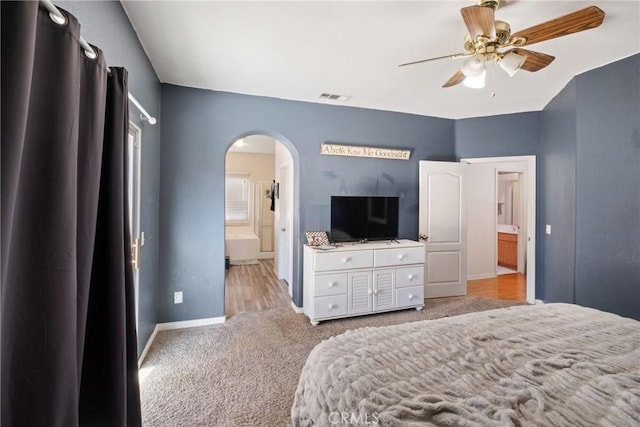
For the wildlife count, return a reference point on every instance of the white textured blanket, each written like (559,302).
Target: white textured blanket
(541,365)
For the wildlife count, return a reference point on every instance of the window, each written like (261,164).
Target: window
(236,191)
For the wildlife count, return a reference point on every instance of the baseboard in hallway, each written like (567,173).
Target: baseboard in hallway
(504,270)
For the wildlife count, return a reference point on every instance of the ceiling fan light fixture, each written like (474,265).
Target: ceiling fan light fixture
(473,66)
(512,62)
(476,82)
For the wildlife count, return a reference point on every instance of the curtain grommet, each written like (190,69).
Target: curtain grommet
(58,18)
(91,54)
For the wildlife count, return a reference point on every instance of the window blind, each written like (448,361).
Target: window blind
(237,197)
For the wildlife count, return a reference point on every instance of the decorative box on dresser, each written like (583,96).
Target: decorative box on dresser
(357,279)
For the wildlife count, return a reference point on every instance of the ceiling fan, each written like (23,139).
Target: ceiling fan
(488,37)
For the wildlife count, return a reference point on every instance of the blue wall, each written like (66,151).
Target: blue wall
(203,124)
(557,199)
(608,188)
(106,25)
(498,136)
(590,157)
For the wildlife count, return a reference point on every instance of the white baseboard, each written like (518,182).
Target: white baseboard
(481,276)
(265,255)
(148,346)
(296,308)
(191,323)
(177,325)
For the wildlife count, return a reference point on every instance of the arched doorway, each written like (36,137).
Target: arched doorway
(260,200)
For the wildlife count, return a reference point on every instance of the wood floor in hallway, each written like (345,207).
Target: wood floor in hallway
(512,287)
(254,288)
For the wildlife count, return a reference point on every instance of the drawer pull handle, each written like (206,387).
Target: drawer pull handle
(411,297)
(332,284)
(401,257)
(331,306)
(346,260)
(411,277)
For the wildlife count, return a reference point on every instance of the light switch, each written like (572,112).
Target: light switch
(547,229)
(177,297)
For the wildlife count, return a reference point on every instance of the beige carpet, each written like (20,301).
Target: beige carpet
(245,371)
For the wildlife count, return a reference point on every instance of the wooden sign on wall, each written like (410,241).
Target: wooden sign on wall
(360,151)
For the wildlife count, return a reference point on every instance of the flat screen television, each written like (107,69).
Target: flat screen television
(362,218)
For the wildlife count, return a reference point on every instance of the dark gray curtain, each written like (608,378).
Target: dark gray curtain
(68,332)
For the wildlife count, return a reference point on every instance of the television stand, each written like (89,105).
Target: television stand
(354,280)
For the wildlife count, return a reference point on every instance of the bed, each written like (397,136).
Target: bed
(539,365)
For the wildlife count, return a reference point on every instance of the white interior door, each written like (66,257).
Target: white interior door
(133,192)
(442,218)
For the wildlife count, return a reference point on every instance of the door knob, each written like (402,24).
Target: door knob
(135,253)
(283,229)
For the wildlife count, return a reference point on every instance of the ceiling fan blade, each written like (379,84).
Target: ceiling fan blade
(458,77)
(480,21)
(535,60)
(453,56)
(583,19)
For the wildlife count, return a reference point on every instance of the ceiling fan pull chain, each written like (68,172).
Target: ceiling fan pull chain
(493,86)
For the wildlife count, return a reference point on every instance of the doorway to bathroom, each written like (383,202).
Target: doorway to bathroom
(257,235)
(510,223)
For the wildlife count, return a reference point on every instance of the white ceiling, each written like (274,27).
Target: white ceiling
(298,50)
(261,144)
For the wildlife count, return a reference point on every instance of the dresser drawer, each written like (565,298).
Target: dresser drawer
(410,296)
(329,284)
(410,276)
(343,260)
(399,256)
(329,306)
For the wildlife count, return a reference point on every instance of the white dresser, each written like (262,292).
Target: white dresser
(358,279)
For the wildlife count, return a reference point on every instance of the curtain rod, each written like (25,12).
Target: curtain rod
(59,18)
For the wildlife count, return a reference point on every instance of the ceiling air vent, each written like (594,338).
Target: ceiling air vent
(334,97)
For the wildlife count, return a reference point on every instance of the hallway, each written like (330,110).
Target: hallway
(511,287)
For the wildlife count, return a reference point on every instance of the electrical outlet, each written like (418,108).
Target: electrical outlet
(177,297)
(547,229)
